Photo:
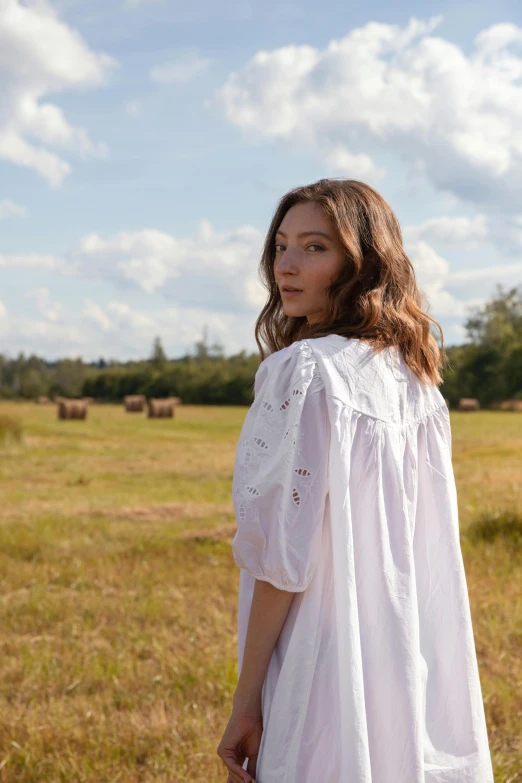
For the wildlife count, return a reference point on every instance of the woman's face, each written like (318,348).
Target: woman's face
(309,257)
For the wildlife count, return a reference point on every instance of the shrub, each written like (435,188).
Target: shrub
(10,430)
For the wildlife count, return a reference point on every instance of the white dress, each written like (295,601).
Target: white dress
(344,493)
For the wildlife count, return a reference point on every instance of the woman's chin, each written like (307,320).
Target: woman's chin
(293,311)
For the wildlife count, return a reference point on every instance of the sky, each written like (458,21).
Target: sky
(145,144)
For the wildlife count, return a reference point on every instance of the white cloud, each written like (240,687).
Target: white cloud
(136,3)
(36,261)
(361,166)
(40,55)
(118,330)
(211,277)
(93,312)
(450,230)
(433,276)
(51,311)
(217,270)
(455,117)
(517,231)
(431,271)
(11,209)
(212,269)
(496,273)
(182,70)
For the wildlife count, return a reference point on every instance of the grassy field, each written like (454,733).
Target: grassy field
(118,591)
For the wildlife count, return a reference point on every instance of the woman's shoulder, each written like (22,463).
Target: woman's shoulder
(294,351)
(296,358)
(305,349)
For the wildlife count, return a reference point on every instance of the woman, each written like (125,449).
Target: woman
(356,652)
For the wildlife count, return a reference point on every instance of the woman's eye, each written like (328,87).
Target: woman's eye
(279,245)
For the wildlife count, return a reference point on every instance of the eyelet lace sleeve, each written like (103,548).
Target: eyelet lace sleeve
(281,471)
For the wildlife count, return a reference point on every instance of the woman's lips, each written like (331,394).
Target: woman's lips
(291,293)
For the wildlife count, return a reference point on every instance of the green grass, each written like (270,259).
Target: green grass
(118,592)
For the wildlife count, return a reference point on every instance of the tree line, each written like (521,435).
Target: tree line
(487,366)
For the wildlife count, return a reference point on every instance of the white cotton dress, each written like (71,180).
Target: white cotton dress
(344,493)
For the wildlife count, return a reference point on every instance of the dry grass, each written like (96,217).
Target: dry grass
(118,591)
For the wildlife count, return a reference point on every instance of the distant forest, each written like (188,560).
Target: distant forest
(488,367)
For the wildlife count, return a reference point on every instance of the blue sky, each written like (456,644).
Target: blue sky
(144,146)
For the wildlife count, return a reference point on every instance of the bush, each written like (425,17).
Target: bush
(10,430)
(504,524)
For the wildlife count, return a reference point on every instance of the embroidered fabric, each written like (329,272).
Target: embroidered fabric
(280,474)
(344,485)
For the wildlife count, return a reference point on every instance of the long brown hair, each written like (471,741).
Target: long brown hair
(375,298)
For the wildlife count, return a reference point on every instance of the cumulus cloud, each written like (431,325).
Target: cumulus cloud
(211,269)
(504,273)
(432,271)
(464,231)
(210,277)
(95,314)
(182,70)
(455,117)
(119,330)
(341,162)
(217,270)
(40,55)
(437,281)
(136,3)
(38,261)
(11,209)
(41,297)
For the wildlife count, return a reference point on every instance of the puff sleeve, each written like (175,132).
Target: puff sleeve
(281,471)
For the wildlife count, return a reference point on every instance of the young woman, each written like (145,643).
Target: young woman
(356,653)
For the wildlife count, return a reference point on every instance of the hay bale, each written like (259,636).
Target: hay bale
(88,400)
(176,400)
(511,405)
(42,400)
(72,409)
(160,409)
(447,402)
(134,403)
(468,404)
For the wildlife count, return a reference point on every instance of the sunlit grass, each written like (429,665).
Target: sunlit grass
(118,591)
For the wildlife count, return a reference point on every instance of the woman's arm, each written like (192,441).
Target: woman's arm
(242,736)
(268,612)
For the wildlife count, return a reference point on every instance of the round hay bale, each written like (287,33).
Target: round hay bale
(511,405)
(160,409)
(72,409)
(134,403)
(468,404)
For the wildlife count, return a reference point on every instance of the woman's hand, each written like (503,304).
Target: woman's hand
(241,739)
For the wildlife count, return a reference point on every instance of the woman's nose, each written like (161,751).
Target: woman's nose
(288,261)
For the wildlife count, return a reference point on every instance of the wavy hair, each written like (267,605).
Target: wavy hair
(375,297)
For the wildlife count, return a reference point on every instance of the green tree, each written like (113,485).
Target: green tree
(32,384)
(489,367)
(68,377)
(498,324)
(158,358)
